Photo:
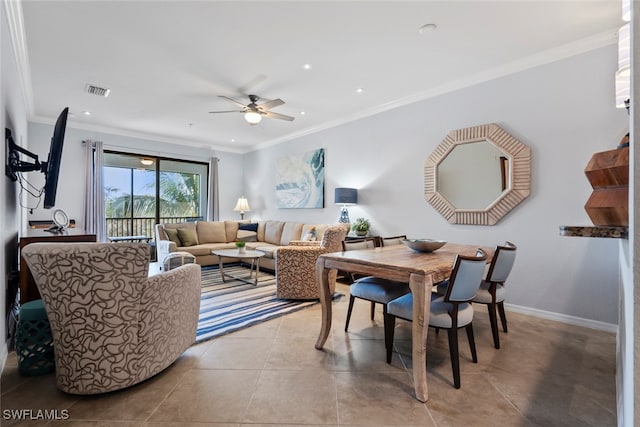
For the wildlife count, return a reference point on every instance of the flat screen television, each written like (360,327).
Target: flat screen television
(53,162)
(50,168)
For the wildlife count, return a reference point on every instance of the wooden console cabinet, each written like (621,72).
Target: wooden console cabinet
(28,288)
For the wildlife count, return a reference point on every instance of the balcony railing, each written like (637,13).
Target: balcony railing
(119,227)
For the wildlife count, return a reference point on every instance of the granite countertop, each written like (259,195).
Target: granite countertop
(613,232)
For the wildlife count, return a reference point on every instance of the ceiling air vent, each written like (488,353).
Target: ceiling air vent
(100,91)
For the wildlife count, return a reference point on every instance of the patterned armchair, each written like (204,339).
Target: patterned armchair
(112,326)
(296,265)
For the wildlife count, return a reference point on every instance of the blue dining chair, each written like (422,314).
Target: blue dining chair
(369,288)
(450,311)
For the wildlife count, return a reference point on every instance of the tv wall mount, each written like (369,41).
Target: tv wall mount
(14,165)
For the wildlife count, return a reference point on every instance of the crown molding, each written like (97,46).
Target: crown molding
(15,21)
(141,135)
(548,56)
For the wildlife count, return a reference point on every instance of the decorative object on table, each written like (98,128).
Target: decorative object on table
(242,205)
(424,245)
(300,180)
(608,174)
(485,169)
(60,219)
(344,197)
(361,226)
(241,245)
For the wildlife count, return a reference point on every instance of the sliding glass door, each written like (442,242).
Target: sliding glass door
(142,191)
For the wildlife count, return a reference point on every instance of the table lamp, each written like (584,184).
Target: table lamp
(344,197)
(243,206)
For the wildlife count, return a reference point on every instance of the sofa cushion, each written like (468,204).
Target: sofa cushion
(269,250)
(188,236)
(273,232)
(247,236)
(290,231)
(211,232)
(173,236)
(231,230)
(249,227)
(206,248)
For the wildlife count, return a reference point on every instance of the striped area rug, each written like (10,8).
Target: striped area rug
(234,305)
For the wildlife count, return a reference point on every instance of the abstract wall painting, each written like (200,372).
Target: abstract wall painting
(300,181)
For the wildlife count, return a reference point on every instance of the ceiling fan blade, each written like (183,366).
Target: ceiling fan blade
(271,104)
(228,111)
(253,83)
(273,115)
(232,100)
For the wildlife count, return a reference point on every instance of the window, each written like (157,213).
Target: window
(141,191)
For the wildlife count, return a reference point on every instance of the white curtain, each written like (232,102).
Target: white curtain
(94,215)
(213,209)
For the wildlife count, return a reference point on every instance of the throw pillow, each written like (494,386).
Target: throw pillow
(172,234)
(249,227)
(187,236)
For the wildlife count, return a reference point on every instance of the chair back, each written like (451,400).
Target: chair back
(466,277)
(333,237)
(502,263)
(356,244)
(394,240)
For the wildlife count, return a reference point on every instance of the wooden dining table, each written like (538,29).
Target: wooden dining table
(400,263)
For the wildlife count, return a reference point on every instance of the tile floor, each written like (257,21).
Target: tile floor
(546,374)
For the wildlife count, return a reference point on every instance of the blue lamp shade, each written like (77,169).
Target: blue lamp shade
(346,196)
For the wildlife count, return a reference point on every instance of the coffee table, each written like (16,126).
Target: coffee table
(254,256)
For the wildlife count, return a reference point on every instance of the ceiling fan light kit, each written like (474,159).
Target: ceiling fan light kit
(253,112)
(252,117)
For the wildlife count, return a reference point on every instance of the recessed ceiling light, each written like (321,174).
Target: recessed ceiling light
(307,66)
(427,29)
(233,140)
(302,113)
(359,90)
(86,113)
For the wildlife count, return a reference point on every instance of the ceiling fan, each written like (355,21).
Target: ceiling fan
(253,112)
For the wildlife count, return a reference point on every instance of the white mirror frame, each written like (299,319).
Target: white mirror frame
(519,177)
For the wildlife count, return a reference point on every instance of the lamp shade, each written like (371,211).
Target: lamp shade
(242,205)
(346,196)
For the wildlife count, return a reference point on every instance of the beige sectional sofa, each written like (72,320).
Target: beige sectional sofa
(201,237)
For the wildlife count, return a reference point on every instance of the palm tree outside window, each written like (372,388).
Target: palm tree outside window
(141,191)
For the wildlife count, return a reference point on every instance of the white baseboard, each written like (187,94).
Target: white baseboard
(564,318)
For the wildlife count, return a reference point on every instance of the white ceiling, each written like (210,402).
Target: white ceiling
(166,62)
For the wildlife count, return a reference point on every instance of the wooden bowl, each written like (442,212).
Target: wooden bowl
(424,245)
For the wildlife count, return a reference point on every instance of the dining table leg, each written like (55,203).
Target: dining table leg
(420,327)
(322,279)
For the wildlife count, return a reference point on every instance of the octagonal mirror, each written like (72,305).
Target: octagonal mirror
(477,175)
